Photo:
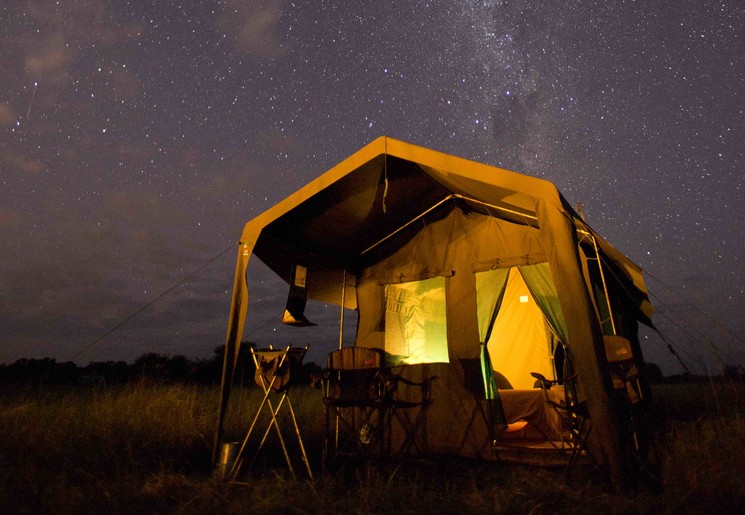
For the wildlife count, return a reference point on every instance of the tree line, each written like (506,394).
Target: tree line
(206,371)
(150,366)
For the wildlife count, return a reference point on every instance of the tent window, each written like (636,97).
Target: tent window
(415,322)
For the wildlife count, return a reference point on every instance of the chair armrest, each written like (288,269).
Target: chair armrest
(427,382)
(548,383)
(392,393)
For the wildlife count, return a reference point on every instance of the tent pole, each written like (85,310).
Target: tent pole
(341,340)
(404,226)
(343,301)
(525,216)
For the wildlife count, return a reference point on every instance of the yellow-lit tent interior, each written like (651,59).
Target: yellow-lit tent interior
(521,341)
(443,259)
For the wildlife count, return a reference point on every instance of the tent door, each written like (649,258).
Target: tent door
(520,341)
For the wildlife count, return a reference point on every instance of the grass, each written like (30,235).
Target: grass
(146,448)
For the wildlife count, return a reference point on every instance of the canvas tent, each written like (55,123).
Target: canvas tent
(446,260)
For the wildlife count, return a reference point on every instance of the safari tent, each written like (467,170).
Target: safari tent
(460,271)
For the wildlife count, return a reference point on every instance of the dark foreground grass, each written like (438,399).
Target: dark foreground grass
(146,449)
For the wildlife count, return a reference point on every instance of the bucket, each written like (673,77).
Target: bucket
(228,454)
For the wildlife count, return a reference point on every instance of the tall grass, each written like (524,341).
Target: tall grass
(703,446)
(146,448)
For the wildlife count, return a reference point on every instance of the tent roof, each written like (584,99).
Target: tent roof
(382,186)
(365,207)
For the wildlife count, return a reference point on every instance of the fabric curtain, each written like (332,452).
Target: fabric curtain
(541,286)
(490,286)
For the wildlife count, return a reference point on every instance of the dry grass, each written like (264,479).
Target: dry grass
(146,448)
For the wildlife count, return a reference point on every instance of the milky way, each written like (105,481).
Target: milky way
(137,138)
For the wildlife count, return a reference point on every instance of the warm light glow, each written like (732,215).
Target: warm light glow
(415,322)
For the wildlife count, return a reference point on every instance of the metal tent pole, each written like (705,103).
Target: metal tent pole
(343,301)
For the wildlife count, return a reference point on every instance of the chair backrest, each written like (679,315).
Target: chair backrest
(356,358)
(559,393)
(623,370)
(617,348)
(352,374)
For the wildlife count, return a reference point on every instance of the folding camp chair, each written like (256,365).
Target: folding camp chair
(364,399)
(275,371)
(573,413)
(623,369)
(353,395)
(405,403)
(629,394)
(481,383)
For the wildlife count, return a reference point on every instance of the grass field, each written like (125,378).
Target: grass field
(146,448)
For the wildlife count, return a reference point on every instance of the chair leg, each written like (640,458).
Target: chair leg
(410,428)
(299,438)
(331,435)
(580,439)
(325,452)
(273,412)
(351,429)
(239,457)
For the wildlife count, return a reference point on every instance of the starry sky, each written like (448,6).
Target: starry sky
(137,138)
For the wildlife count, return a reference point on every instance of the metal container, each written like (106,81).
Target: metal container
(228,454)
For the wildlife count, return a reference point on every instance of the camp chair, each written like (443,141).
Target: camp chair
(623,370)
(363,399)
(480,382)
(276,369)
(627,388)
(405,403)
(573,413)
(353,396)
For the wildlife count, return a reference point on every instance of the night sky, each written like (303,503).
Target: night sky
(137,138)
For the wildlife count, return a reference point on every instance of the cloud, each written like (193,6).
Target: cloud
(82,21)
(56,33)
(9,217)
(7,116)
(252,24)
(124,85)
(22,164)
(51,60)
